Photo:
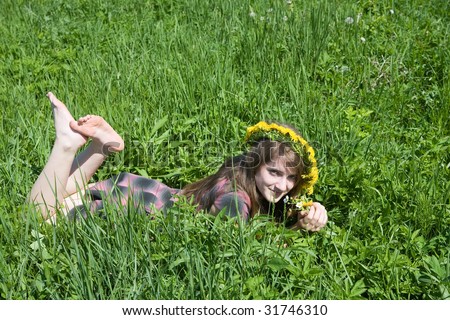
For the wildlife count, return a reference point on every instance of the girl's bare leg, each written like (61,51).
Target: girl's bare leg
(64,174)
(50,188)
(105,140)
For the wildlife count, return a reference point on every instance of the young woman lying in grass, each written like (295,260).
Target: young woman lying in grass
(278,166)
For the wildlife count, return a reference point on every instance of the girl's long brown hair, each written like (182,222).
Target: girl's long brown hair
(241,171)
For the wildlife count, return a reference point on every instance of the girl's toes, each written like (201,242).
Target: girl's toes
(84,119)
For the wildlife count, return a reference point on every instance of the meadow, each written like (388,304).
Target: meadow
(367,82)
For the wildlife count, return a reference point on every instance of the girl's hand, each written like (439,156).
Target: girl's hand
(314,220)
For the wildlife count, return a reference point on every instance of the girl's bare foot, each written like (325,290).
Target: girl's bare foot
(65,136)
(101,133)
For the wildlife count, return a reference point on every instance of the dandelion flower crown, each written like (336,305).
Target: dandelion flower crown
(276,132)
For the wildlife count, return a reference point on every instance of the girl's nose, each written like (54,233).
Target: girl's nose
(282,184)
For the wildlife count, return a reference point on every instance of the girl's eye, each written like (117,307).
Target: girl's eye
(273,172)
(292,178)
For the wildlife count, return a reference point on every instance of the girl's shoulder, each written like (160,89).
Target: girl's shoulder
(230,198)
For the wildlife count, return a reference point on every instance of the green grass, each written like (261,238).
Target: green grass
(181,81)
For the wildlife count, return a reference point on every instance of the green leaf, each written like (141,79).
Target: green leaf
(277,264)
(358,289)
(158,125)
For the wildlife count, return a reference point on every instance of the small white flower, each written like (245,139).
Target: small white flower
(358,17)
(270,10)
(363,39)
(286,199)
(349,20)
(342,68)
(262,18)
(391,11)
(299,205)
(288,2)
(285,18)
(252,14)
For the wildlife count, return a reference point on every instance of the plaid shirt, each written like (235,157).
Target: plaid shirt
(146,194)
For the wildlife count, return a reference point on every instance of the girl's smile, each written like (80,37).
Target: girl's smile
(274,180)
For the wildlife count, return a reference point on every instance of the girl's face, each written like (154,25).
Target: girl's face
(274,180)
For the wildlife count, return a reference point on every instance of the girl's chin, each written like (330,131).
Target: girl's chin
(271,197)
(274,199)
